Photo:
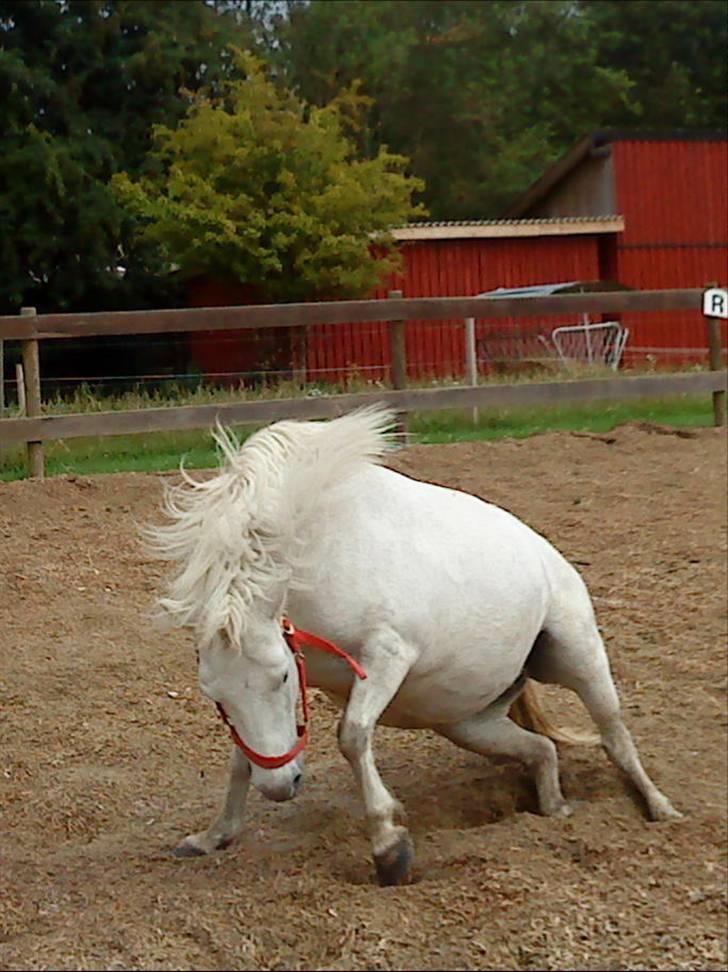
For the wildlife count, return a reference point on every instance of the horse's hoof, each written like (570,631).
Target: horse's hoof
(187,849)
(562,810)
(394,866)
(665,811)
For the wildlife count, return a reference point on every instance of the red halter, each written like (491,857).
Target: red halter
(296,641)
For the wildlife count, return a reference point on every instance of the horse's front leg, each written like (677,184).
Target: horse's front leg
(226,827)
(387,659)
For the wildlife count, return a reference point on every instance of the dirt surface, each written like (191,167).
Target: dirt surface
(110,755)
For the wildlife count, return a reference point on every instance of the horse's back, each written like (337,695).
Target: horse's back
(395,546)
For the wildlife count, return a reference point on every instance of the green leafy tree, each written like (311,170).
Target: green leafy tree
(258,188)
(674,53)
(81,85)
(482,96)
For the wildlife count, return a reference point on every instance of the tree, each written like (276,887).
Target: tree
(674,52)
(482,96)
(257,188)
(81,84)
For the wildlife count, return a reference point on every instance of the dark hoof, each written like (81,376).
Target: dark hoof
(394,866)
(187,850)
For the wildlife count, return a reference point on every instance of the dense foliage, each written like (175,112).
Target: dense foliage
(482,96)
(81,84)
(479,95)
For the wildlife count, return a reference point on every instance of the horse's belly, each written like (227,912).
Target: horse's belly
(396,715)
(437,700)
(431,699)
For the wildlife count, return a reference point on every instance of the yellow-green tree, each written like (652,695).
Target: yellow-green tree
(260,188)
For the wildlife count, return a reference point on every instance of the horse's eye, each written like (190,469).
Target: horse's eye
(285,678)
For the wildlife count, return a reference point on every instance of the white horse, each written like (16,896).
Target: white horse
(438,604)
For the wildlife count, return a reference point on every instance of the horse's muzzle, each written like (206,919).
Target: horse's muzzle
(277,789)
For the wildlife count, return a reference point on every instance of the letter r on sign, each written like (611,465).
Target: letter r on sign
(715,303)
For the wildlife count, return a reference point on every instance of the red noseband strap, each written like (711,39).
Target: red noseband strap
(296,640)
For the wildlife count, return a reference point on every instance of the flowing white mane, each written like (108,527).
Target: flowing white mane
(242,533)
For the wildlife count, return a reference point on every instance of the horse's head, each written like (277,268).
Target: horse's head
(255,685)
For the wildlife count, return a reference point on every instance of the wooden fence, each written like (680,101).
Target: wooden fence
(35,428)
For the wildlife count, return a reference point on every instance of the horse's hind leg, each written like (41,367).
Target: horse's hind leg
(573,655)
(493,733)
(226,827)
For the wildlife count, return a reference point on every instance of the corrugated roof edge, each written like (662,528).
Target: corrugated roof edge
(505,222)
(500,228)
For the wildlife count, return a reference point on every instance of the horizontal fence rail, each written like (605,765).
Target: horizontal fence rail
(35,428)
(186,417)
(262,316)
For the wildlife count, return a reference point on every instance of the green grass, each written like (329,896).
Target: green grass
(162,451)
(594,417)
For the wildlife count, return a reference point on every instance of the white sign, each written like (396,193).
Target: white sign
(715,303)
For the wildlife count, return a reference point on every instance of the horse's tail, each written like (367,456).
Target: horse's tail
(528,713)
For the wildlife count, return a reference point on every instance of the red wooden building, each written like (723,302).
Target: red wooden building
(439,260)
(644,211)
(672,191)
(462,259)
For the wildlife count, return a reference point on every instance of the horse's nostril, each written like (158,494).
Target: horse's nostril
(296,779)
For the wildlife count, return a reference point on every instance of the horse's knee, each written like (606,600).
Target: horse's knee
(542,753)
(353,738)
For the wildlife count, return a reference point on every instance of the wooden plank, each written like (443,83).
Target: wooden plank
(421,399)
(340,312)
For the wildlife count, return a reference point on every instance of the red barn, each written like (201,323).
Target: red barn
(672,190)
(439,260)
(455,260)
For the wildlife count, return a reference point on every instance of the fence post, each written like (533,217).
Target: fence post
(298,354)
(715,355)
(715,362)
(471,362)
(20,386)
(31,377)
(398,354)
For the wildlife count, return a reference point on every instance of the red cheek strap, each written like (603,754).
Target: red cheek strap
(296,641)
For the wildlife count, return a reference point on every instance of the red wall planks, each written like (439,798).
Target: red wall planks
(450,268)
(674,196)
(672,191)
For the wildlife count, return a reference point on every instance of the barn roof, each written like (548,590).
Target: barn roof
(508,228)
(596,145)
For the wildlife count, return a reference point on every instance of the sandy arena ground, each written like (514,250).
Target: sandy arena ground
(102,770)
